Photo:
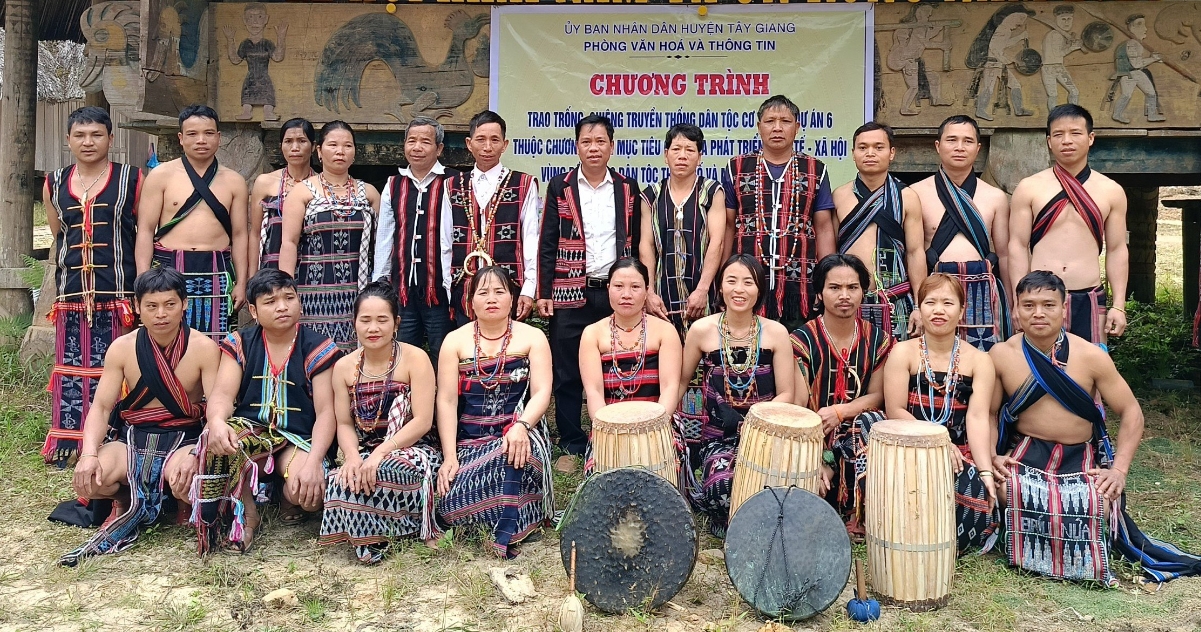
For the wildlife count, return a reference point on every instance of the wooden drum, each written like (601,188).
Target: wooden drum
(910,507)
(781,445)
(634,434)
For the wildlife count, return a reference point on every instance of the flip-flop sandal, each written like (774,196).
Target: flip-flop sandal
(242,548)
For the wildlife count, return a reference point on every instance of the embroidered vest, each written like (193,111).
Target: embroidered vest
(428,281)
(503,239)
(96,243)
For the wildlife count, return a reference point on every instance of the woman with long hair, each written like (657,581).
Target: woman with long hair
(744,359)
(494,386)
(384,405)
(271,189)
(328,234)
(940,379)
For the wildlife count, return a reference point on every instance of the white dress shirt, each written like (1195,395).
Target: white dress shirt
(483,185)
(387,227)
(598,216)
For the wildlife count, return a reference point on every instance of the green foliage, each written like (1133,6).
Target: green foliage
(33,273)
(1157,343)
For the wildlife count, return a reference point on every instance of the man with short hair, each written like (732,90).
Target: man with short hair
(1057,475)
(91,211)
(1079,213)
(1133,72)
(963,217)
(490,215)
(1058,43)
(408,246)
(840,357)
(778,210)
(167,370)
(271,412)
(192,217)
(880,221)
(591,219)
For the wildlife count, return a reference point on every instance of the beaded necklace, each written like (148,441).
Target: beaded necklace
(274,399)
(338,203)
(739,377)
(934,388)
(842,369)
(628,382)
(492,380)
(386,376)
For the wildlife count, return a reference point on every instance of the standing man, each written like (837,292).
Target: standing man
(1132,61)
(591,219)
(880,222)
(1079,213)
(152,395)
(1059,43)
(962,218)
(90,208)
(490,215)
(1001,65)
(408,247)
(778,202)
(207,203)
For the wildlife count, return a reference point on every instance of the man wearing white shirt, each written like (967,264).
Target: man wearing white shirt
(490,216)
(589,222)
(408,246)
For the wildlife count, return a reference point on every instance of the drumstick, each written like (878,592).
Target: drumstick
(859,580)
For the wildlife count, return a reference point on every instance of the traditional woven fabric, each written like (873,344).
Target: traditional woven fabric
(562,256)
(334,263)
(151,435)
(79,348)
(148,454)
(837,382)
(974,522)
(283,402)
(784,238)
(403,501)
(890,301)
(1159,560)
(642,387)
(1055,523)
(271,232)
(209,275)
(503,240)
(1085,313)
(201,192)
(719,421)
(681,237)
(1075,194)
(94,282)
(218,512)
(985,319)
(487,491)
(418,218)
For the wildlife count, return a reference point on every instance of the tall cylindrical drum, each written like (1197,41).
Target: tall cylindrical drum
(634,434)
(781,445)
(910,507)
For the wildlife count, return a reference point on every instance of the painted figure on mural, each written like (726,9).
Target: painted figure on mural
(1131,60)
(1001,64)
(258,53)
(1058,44)
(426,89)
(913,37)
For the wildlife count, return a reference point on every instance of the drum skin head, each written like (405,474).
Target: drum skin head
(635,540)
(817,546)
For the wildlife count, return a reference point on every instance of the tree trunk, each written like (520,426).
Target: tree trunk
(1141,217)
(17,138)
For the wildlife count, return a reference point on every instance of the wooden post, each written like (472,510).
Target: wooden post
(17,137)
(1190,224)
(1141,216)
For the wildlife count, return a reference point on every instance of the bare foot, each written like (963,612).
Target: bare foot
(432,543)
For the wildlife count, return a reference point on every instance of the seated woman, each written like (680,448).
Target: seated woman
(620,356)
(937,378)
(494,385)
(384,405)
(745,359)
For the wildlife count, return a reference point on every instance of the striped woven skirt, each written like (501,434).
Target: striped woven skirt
(210,281)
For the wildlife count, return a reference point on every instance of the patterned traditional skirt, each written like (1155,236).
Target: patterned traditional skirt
(849,444)
(974,523)
(487,491)
(148,453)
(1085,314)
(889,310)
(210,278)
(218,512)
(1055,522)
(986,312)
(711,492)
(79,348)
(329,310)
(402,505)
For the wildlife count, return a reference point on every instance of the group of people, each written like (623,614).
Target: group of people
(377,314)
